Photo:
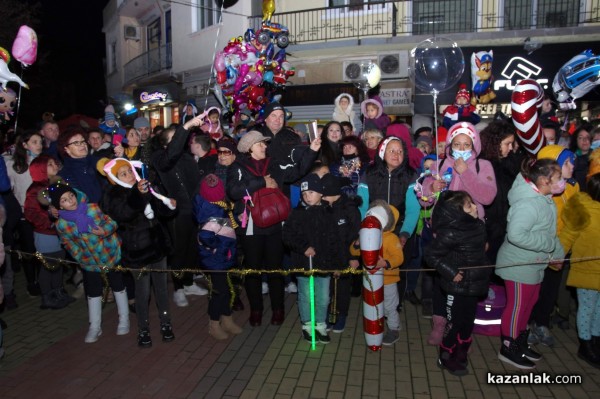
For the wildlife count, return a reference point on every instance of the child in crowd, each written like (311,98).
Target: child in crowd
(581,235)
(144,240)
(212,124)
(54,296)
(374,117)
(217,249)
(530,237)
(346,222)
(90,237)
(309,234)
(460,240)
(343,110)
(391,260)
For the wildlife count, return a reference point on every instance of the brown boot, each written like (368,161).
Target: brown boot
(228,325)
(216,331)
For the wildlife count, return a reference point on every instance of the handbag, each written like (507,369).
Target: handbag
(268,206)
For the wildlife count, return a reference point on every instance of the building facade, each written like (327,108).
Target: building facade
(155,45)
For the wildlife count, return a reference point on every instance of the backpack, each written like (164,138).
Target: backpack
(268,206)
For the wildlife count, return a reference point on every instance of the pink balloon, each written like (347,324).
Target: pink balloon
(220,61)
(25,46)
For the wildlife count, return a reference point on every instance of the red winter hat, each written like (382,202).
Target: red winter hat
(463,93)
(212,188)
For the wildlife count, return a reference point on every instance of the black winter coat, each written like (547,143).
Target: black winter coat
(459,241)
(178,171)
(282,143)
(506,171)
(143,240)
(391,186)
(330,230)
(242,181)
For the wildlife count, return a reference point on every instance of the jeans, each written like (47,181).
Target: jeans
(321,298)
(161,293)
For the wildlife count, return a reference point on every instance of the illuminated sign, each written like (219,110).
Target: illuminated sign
(517,69)
(146,97)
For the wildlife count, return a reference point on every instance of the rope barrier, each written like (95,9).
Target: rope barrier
(243,272)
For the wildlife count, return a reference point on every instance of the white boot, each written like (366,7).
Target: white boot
(95,314)
(123,308)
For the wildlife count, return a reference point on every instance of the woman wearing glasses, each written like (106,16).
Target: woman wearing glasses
(79,166)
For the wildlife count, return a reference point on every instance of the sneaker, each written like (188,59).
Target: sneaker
(542,334)
(306,335)
(411,297)
(194,289)
(511,353)
(167,332)
(322,336)
(391,337)
(265,288)
(180,299)
(427,308)
(144,339)
(339,325)
(291,288)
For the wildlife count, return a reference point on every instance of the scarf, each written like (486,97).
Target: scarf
(227,207)
(79,216)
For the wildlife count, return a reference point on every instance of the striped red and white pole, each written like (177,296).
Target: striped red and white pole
(370,238)
(526,98)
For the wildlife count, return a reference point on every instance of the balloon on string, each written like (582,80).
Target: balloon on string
(25,46)
(436,64)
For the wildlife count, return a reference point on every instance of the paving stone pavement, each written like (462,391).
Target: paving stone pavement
(47,358)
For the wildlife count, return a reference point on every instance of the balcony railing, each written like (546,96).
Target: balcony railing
(419,17)
(153,61)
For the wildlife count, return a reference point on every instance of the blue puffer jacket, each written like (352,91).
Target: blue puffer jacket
(216,241)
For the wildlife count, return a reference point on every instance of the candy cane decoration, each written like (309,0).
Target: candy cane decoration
(526,98)
(370,238)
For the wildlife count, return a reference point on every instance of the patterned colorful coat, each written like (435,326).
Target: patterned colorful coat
(89,249)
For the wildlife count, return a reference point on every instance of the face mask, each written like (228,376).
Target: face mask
(466,154)
(559,187)
(595,144)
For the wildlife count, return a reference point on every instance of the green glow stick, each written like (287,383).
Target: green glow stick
(311,286)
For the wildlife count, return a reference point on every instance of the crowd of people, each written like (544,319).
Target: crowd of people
(466,201)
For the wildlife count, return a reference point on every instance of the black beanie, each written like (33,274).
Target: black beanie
(55,191)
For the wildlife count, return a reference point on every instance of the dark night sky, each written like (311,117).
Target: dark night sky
(70,77)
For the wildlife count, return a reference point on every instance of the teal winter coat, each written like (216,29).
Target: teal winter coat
(530,236)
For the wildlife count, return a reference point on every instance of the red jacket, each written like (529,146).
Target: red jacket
(35,213)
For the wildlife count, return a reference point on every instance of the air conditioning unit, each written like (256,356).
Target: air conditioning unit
(132,32)
(353,70)
(394,65)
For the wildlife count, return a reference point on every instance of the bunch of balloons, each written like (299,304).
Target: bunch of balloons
(249,73)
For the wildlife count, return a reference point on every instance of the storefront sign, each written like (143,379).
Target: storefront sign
(146,97)
(400,97)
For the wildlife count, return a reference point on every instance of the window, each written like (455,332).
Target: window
(207,14)
(112,56)
(357,5)
(435,17)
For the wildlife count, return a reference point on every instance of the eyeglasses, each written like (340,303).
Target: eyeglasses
(224,152)
(77,143)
